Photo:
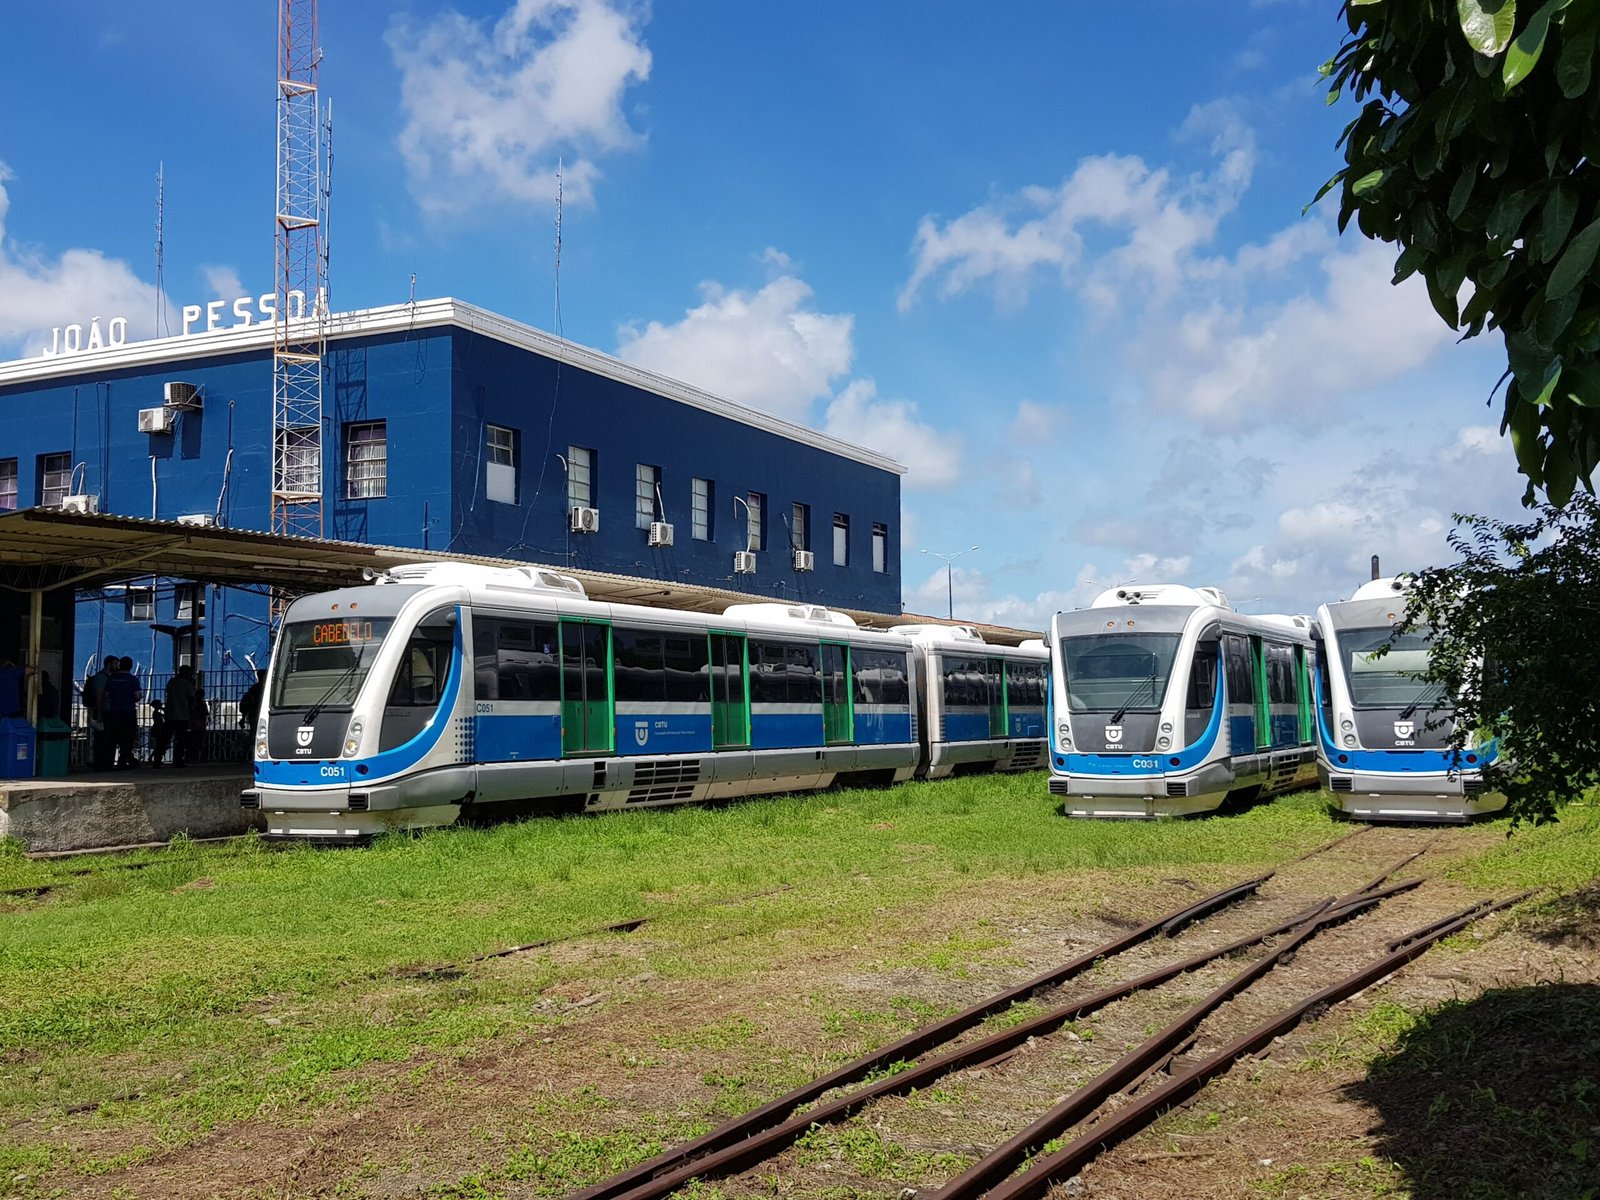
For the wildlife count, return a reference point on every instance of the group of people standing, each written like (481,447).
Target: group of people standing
(112,695)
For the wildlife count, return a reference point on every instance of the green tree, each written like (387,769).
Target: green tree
(1517,642)
(1477,154)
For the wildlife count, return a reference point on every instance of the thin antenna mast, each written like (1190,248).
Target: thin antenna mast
(161,242)
(560,163)
(299,323)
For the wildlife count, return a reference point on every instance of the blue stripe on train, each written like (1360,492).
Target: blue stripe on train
(663,733)
(883,729)
(785,731)
(518,738)
(966,727)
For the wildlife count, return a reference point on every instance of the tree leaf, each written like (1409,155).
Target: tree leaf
(1575,261)
(1556,220)
(1523,54)
(1369,182)
(1576,61)
(1462,191)
(1487,24)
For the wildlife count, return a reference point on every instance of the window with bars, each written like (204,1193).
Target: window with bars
(366,460)
(55,478)
(645,480)
(841,540)
(8,483)
(757,532)
(580,477)
(500,470)
(701,496)
(302,460)
(800,527)
(880,547)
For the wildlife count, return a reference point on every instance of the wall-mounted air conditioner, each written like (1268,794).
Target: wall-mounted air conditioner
(744,562)
(180,395)
(584,520)
(805,560)
(155,420)
(660,533)
(204,520)
(80,504)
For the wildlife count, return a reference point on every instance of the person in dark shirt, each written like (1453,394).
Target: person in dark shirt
(12,678)
(123,694)
(49,697)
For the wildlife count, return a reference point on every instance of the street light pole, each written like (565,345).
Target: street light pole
(949,577)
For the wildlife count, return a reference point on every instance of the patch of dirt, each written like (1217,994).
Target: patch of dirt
(617,1060)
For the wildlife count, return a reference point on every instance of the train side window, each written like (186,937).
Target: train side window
(639,665)
(1280,675)
(1240,677)
(805,673)
(514,660)
(1203,678)
(424,665)
(688,664)
(769,673)
(880,677)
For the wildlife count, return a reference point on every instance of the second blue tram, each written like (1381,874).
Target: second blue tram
(1165,701)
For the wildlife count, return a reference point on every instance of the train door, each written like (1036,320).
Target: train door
(1302,679)
(995,672)
(730,708)
(838,716)
(587,726)
(1258,664)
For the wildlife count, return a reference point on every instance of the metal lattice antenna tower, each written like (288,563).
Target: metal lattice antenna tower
(299,324)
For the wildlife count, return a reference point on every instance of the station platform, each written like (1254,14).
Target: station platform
(105,810)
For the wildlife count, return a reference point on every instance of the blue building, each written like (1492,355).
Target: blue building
(445,427)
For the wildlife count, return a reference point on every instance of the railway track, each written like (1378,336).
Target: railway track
(1118,1100)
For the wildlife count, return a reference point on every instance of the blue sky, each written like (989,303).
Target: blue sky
(1051,256)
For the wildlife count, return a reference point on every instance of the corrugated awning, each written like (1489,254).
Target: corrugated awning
(42,549)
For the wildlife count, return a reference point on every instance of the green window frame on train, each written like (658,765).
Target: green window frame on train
(730,689)
(838,695)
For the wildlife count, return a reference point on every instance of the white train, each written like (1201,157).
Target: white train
(1165,701)
(1383,741)
(449,686)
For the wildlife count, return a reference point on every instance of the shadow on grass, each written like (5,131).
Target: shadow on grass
(1497,1097)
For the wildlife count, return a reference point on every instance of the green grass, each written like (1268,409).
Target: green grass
(180,988)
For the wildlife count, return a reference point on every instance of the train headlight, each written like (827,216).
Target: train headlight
(352,737)
(1349,739)
(1163,742)
(261,745)
(1347,725)
(1166,727)
(1064,732)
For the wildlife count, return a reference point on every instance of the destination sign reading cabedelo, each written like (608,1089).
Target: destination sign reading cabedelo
(341,633)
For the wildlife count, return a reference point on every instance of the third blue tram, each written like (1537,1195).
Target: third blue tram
(1165,701)
(1383,746)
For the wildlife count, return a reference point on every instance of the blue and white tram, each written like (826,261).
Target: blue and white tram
(980,707)
(442,686)
(1383,740)
(1165,701)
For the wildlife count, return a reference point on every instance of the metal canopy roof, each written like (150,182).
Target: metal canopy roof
(42,549)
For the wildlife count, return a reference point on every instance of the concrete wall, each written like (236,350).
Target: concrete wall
(54,815)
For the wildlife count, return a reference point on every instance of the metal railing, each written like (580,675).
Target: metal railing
(222,740)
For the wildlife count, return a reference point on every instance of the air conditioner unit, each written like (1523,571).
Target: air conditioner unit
(80,504)
(744,562)
(155,420)
(585,520)
(204,520)
(180,395)
(805,560)
(660,533)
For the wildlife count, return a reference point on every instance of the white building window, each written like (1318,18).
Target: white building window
(8,483)
(880,547)
(757,529)
(645,481)
(141,603)
(580,477)
(184,598)
(55,477)
(366,471)
(302,460)
(701,505)
(841,540)
(500,471)
(800,527)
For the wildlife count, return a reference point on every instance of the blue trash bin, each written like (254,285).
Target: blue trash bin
(16,749)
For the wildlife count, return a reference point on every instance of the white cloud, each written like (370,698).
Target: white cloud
(38,294)
(222,281)
(489,111)
(768,349)
(1034,423)
(932,459)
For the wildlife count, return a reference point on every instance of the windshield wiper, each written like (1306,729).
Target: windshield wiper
(311,713)
(1435,688)
(1149,681)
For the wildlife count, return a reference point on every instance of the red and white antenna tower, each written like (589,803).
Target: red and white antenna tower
(299,326)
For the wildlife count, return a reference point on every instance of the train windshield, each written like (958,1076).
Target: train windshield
(322,663)
(1117,672)
(1389,680)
